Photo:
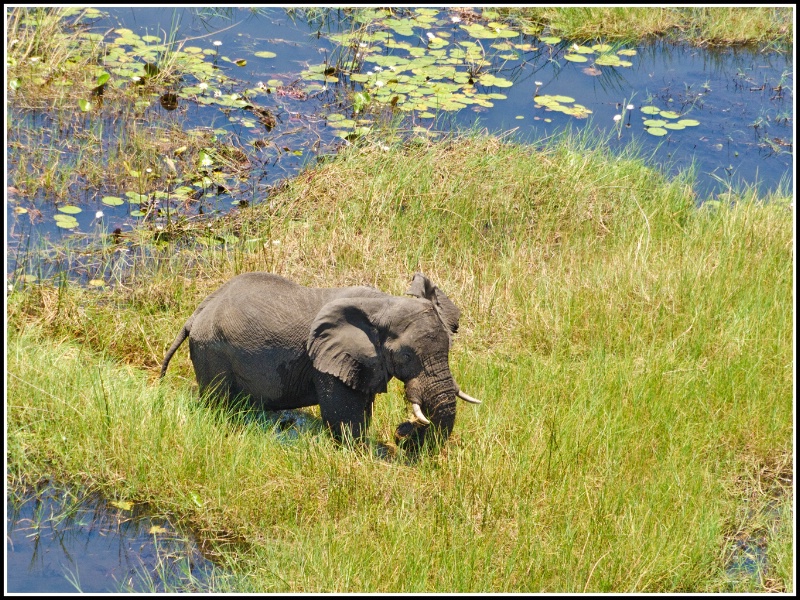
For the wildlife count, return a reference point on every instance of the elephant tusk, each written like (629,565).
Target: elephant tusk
(418,413)
(468,398)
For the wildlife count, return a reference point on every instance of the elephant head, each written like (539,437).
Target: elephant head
(365,342)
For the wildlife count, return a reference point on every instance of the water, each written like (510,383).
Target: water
(741,101)
(61,542)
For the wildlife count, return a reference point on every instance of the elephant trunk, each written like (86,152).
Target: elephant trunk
(433,399)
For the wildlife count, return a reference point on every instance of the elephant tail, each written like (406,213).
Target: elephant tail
(184,333)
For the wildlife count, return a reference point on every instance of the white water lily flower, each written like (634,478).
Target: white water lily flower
(217,43)
(537,83)
(202,85)
(617,118)
(217,94)
(629,107)
(260,85)
(430,36)
(377,69)
(98,215)
(455,19)
(379,83)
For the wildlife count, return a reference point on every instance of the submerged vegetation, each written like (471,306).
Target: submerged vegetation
(634,353)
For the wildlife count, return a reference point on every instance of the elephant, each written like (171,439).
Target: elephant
(289,346)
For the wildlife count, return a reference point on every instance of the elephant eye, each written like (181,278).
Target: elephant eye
(404,356)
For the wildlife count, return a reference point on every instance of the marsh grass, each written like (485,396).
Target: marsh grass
(634,356)
(702,26)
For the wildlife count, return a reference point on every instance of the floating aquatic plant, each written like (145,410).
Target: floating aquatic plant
(661,126)
(560,104)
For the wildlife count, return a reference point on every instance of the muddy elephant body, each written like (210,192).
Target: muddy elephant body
(289,346)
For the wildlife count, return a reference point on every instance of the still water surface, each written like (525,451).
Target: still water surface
(739,99)
(59,542)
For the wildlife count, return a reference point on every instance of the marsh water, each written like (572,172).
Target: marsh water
(728,112)
(66,541)
(284,87)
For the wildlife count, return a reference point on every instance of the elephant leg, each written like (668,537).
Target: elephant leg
(346,412)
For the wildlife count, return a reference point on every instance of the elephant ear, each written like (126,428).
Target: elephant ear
(422,287)
(344,342)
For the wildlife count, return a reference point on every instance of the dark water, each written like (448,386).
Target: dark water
(62,542)
(741,99)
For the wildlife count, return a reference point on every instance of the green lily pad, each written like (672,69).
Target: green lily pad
(650,110)
(135,198)
(69,209)
(657,131)
(265,54)
(668,114)
(654,122)
(627,52)
(575,58)
(607,60)
(112,201)
(550,39)
(65,221)
(581,49)
(674,126)
(688,122)
(602,48)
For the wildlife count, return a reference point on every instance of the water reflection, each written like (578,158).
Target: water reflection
(60,541)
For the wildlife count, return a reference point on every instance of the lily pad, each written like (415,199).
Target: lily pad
(581,49)
(575,58)
(65,221)
(265,54)
(112,201)
(550,39)
(654,122)
(608,60)
(650,110)
(69,209)
(657,131)
(668,114)
(688,122)
(674,126)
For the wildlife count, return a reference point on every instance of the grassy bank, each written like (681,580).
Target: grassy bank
(704,26)
(634,355)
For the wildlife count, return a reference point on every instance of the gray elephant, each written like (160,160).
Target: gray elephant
(289,346)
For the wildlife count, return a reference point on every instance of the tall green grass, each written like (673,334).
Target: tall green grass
(633,352)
